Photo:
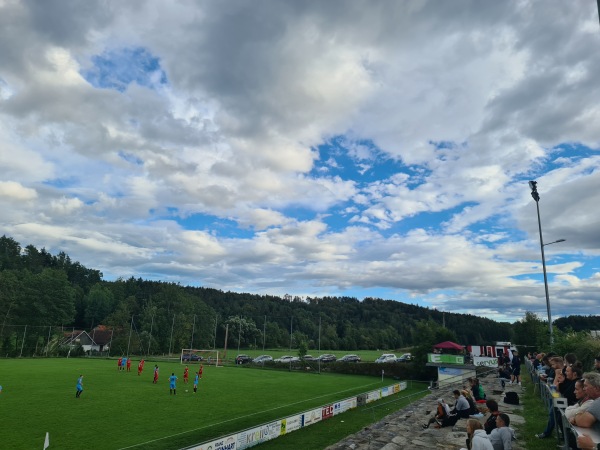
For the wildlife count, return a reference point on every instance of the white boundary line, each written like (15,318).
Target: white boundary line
(240,417)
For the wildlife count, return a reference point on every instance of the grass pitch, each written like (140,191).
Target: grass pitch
(120,410)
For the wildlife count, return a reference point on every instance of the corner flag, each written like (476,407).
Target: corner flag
(47,441)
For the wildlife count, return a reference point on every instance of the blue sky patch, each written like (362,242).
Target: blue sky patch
(117,69)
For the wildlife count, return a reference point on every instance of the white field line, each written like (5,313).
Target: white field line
(241,417)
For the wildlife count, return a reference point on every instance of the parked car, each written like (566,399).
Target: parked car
(243,359)
(287,359)
(386,357)
(350,358)
(262,359)
(327,357)
(309,358)
(405,358)
(191,357)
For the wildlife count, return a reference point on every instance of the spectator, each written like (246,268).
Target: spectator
(583,403)
(472,407)
(443,411)
(515,377)
(477,389)
(502,436)
(461,407)
(490,422)
(570,359)
(477,439)
(591,417)
(566,386)
(460,411)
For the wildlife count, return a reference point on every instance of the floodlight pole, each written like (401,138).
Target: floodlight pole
(536,197)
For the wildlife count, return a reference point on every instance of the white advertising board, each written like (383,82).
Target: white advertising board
(344,406)
(292,423)
(226,443)
(311,417)
(373,395)
(485,361)
(258,435)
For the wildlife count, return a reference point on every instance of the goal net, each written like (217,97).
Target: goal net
(195,356)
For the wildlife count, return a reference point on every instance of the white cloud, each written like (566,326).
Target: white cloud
(216,171)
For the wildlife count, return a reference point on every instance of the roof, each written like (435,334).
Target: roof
(449,345)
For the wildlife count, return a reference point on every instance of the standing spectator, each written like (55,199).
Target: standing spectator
(155,380)
(502,436)
(515,377)
(172,385)
(79,386)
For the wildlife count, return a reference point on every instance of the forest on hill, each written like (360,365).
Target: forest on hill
(49,294)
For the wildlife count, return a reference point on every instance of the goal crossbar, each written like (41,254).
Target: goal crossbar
(193,356)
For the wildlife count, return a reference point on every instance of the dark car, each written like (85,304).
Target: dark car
(327,357)
(349,358)
(243,359)
(191,357)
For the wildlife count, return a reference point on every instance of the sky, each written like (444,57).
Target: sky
(311,148)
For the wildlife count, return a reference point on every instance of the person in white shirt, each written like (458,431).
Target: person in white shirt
(583,401)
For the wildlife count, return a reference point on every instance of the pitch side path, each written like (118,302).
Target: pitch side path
(121,410)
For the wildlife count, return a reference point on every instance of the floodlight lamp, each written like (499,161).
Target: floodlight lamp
(533,185)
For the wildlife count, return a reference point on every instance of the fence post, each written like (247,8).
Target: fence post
(23,341)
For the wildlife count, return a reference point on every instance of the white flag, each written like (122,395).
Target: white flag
(47,441)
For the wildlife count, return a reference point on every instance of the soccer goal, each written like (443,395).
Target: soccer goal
(191,356)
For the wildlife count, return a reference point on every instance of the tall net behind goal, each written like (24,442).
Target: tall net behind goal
(195,356)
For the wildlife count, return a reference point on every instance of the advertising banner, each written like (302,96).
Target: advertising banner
(226,443)
(385,391)
(311,417)
(448,359)
(292,423)
(485,361)
(327,412)
(403,385)
(344,406)
(258,435)
(373,395)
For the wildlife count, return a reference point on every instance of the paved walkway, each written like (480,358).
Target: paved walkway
(402,429)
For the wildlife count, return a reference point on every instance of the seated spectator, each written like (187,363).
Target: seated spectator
(477,389)
(502,436)
(567,387)
(443,410)
(461,410)
(490,422)
(570,359)
(472,406)
(477,439)
(583,403)
(591,417)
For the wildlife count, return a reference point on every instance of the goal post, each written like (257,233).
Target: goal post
(195,356)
